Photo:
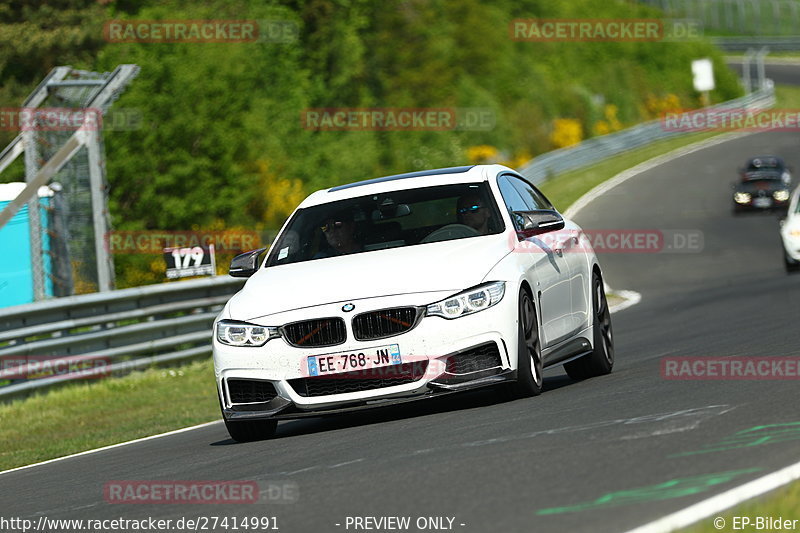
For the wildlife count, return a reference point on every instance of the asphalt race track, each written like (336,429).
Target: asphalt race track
(780,72)
(607,454)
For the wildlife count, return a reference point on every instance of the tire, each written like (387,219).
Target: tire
(529,350)
(601,360)
(791,266)
(251,430)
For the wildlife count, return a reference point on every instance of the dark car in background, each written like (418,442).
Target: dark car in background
(765,184)
(766,162)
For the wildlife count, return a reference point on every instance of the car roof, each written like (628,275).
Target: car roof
(410,180)
(419,174)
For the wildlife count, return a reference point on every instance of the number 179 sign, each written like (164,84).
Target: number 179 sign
(190,261)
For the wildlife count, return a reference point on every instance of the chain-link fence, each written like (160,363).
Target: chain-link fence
(61,139)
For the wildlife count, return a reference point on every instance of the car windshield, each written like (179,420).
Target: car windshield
(766,181)
(387,220)
(764,164)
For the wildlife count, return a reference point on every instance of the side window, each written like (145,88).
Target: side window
(533,198)
(511,196)
(512,199)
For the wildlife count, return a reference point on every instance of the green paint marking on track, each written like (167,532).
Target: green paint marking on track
(754,436)
(674,488)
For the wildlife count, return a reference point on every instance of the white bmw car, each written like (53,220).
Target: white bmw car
(407,287)
(790,234)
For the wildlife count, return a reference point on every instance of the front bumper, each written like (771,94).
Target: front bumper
(444,356)
(753,205)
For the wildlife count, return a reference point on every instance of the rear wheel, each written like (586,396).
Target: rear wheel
(529,352)
(601,360)
(251,430)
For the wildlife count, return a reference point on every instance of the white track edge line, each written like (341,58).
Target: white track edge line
(625,175)
(721,502)
(111,446)
(631,298)
(696,512)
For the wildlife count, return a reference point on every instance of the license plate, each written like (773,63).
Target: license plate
(762,202)
(333,363)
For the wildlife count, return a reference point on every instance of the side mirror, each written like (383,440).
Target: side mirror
(246,264)
(538,222)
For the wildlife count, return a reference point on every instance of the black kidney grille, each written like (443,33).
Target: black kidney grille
(384,323)
(250,391)
(317,332)
(353,382)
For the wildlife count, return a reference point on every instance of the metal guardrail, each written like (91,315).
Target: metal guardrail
(123,330)
(741,44)
(596,149)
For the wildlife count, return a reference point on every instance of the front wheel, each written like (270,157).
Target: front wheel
(529,353)
(601,360)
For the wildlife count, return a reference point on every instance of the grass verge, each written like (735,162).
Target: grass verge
(91,414)
(787,97)
(783,504)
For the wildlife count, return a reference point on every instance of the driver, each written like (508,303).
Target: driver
(340,234)
(472,213)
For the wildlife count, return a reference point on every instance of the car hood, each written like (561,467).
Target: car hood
(440,266)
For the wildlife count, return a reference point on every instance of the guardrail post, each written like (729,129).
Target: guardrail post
(760,66)
(748,57)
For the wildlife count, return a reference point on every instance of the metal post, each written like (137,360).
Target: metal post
(760,66)
(748,56)
(34,222)
(98,186)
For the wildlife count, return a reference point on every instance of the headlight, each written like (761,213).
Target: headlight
(795,233)
(741,197)
(781,195)
(468,302)
(243,334)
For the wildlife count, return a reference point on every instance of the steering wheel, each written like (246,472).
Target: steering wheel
(449,232)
